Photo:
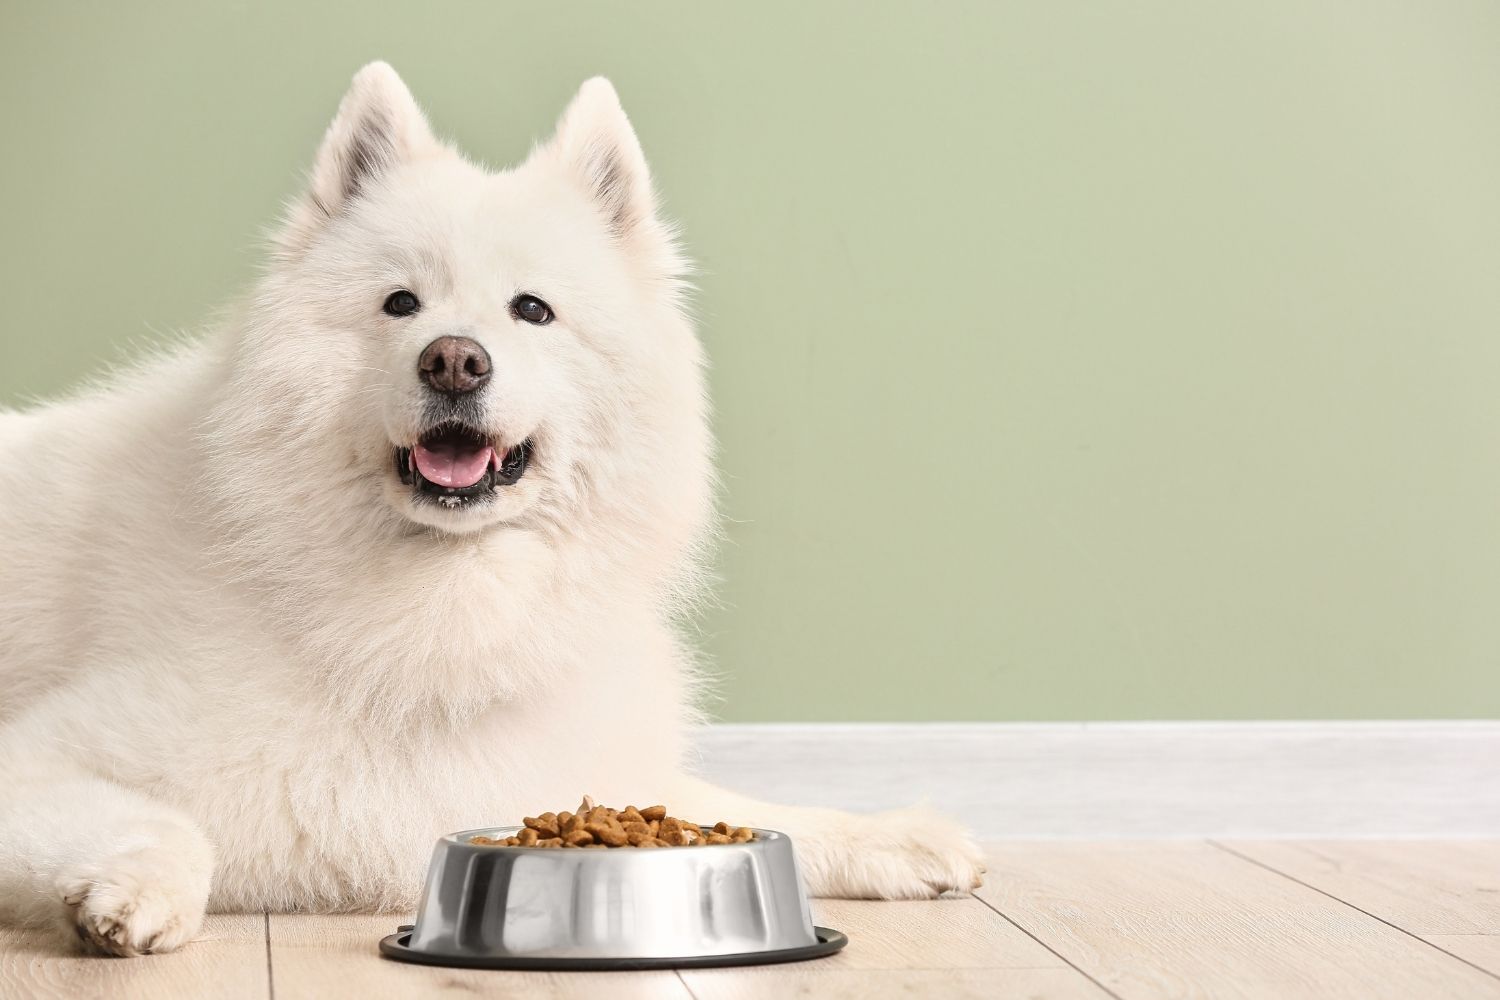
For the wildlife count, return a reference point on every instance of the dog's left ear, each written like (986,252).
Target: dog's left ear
(377,128)
(597,147)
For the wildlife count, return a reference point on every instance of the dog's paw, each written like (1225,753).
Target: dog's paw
(134,904)
(913,853)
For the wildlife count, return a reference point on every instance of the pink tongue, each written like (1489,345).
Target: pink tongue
(452,465)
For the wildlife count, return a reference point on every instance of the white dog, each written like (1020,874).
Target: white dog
(396,551)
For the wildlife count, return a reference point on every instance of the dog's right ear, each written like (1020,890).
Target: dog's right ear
(378,127)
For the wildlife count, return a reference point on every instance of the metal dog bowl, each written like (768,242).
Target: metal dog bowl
(620,908)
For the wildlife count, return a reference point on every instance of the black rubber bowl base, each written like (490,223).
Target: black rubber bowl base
(398,947)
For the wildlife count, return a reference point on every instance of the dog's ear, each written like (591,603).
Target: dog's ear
(597,147)
(378,127)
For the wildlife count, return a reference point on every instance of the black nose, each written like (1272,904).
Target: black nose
(454,365)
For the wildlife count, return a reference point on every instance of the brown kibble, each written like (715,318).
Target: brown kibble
(610,834)
(602,846)
(596,825)
(545,824)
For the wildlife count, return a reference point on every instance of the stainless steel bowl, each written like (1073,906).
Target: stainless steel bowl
(673,907)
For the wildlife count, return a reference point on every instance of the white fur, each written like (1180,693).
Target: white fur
(242,670)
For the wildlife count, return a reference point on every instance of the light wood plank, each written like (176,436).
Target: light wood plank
(315,957)
(228,959)
(959,933)
(1425,887)
(1445,892)
(1191,920)
(814,980)
(1481,949)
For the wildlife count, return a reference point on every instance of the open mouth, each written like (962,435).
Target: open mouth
(455,464)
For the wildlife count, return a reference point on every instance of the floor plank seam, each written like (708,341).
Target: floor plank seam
(270,975)
(1358,909)
(1060,956)
(685,984)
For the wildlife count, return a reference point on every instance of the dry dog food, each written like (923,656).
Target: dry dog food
(601,826)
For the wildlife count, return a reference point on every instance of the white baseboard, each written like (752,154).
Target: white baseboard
(1135,779)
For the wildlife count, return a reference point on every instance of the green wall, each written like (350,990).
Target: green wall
(1072,360)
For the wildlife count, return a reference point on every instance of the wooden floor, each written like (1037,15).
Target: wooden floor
(1197,919)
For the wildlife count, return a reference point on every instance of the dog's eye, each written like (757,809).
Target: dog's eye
(401,303)
(531,309)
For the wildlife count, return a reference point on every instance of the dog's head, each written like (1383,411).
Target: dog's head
(461,418)
(479,349)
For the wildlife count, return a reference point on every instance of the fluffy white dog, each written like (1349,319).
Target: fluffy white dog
(395,551)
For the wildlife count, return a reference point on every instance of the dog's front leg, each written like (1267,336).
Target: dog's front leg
(119,872)
(905,854)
